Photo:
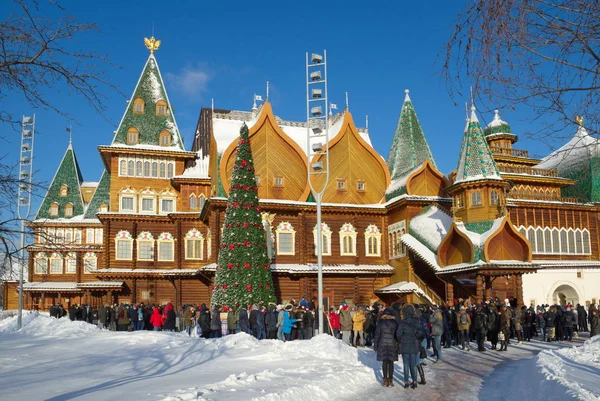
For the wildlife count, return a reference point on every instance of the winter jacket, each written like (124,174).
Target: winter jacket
(595,326)
(504,321)
(204,319)
(102,315)
(481,321)
(540,321)
(170,317)
(334,320)
(358,320)
(409,332)
(215,320)
(271,319)
(345,319)
(288,322)
(493,321)
(188,317)
(385,337)
(133,315)
(232,319)
(243,319)
(280,316)
(123,316)
(260,320)
(568,319)
(518,320)
(308,321)
(550,319)
(437,323)
(300,318)
(464,316)
(156,319)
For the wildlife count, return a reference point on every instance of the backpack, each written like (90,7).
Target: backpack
(463,318)
(478,322)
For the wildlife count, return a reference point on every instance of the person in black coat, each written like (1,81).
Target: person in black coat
(271,323)
(386,345)
(53,311)
(409,334)
(243,320)
(205,321)
(215,322)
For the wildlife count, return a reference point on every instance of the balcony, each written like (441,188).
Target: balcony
(540,197)
(540,172)
(496,150)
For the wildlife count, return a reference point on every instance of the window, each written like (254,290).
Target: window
(348,240)
(154,169)
(145,295)
(123,245)
(208,244)
(586,242)
(194,245)
(372,241)
(64,190)
(145,244)
(56,264)
(99,235)
(546,240)
(90,263)
(539,240)
(41,263)
(89,236)
(60,235)
(161,108)
(555,241)
(257,179)
(165,247)
(360,186)
(564,243)
(68,236)
(54,209)
(475,198)
(132,137)
(201,201)
(71,263)
(165,138)
(162,170)
(571,234)
(170,170)
(138,106)
(103,208)
(459,201)
(397,230)
(278,181)
(193,204)
(494,197)
(139,168)
(147,205)
(146,169)
(127,204)
(130,168)
(166,205)
(286,239)
(326,239)
(69,210)
(77,235)
(341,185)
(123,167)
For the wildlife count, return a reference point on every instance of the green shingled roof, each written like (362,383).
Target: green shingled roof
(476,161)
(68,173)
(102,195)
(151,89)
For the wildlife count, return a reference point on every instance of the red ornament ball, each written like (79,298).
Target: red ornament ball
(249,287)
(247,266)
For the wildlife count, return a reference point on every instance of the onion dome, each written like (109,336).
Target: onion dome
(498,127)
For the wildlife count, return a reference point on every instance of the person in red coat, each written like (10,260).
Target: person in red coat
(334,320)
(156,320)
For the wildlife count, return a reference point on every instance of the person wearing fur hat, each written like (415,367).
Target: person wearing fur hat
(464,322)
(345,323)
(386,346)
(280,318)
(288,323)
(409,334)
(437,329)
(358,322)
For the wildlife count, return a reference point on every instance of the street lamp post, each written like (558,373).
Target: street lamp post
(317,132)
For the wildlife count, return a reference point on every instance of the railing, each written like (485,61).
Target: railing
(552,198)
(422,285)
(542,172)
(496,150)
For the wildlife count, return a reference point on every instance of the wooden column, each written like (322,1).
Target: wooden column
(43,306)
(449,293)
(519,287)
(134,291)
(479,280)
(488,287)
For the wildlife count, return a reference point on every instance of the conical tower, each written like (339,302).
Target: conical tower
(478,189)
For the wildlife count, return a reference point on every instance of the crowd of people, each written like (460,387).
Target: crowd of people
(399,329)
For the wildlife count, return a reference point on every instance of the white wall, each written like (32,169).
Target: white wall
(542,286)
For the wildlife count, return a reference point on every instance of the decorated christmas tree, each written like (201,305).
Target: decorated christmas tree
(243,267)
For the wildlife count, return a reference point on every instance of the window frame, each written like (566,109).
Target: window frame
(476,198)
(164,138)
(71,259)
(166,239)
(144,238)
(87,259)
(372,233)
(159,104)
(196,238)
(123,237)
(54,209)
(348,236)
(40,257)
(132,140)
(56,257)
(139,102)
(285,228)
(326,235)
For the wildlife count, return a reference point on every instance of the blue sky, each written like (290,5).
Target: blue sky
(228,50)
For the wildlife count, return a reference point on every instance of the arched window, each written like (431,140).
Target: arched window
(571,235)
(170,170)
(166,246)
(132,136)
(123,167)
(193,204)
(130,168)
(475,198)
(71,263)
(64,190)
(139,168)
(547,240)
(494,197)
(531,237)
(41,263)
(194,245)
(123,246)
(208,245)
(286,239)
(161,108)
(69,210)
(201,201)
(90,263)
(146,169)
(326,239)
(348,240)
(564,242)
(372,241)
(56,263)
(103,208)
(555,240)
(145,246)
(54,209)
(586,242)
(138,106)
(154,169)
(162,170)
(127,200)
(578,242)
(539,240)
(165,138)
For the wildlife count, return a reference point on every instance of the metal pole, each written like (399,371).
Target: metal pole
(21,273)
(320,263)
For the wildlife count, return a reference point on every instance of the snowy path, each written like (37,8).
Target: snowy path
(59,360)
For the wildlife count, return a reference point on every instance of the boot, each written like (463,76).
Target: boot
(385,382)
(421,375)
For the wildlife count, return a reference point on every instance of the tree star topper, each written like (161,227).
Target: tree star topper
(152,44)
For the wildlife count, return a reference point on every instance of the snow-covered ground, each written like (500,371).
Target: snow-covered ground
(53,359)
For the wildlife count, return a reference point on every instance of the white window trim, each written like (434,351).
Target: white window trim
(123,236)
(167,195)
(348,231)
(326,232)
(40,257)
(194,235)
(153,198)
(145,237)
(286,228)
(165,238)
(372,231)
(549,249)
(87,257)
(54,257)
(71,256)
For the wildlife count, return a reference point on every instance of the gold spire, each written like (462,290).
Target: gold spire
(579,120)
(152,44)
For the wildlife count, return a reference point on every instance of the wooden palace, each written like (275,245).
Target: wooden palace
(149,230)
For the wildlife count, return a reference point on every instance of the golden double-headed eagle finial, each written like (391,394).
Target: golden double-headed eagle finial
(579,120)
(152,44)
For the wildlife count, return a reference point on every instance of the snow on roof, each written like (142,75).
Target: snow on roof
(398,183)
(97,284)
(68,285)
(404,287)
(580,149)
(478,240)
(431,226)
(89,184)
(548,264)
(226,128)
(497,122)
(200,168)
(79,219)
(421,250)
(142,146)
(504,264)
(166,272)
(294,268)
